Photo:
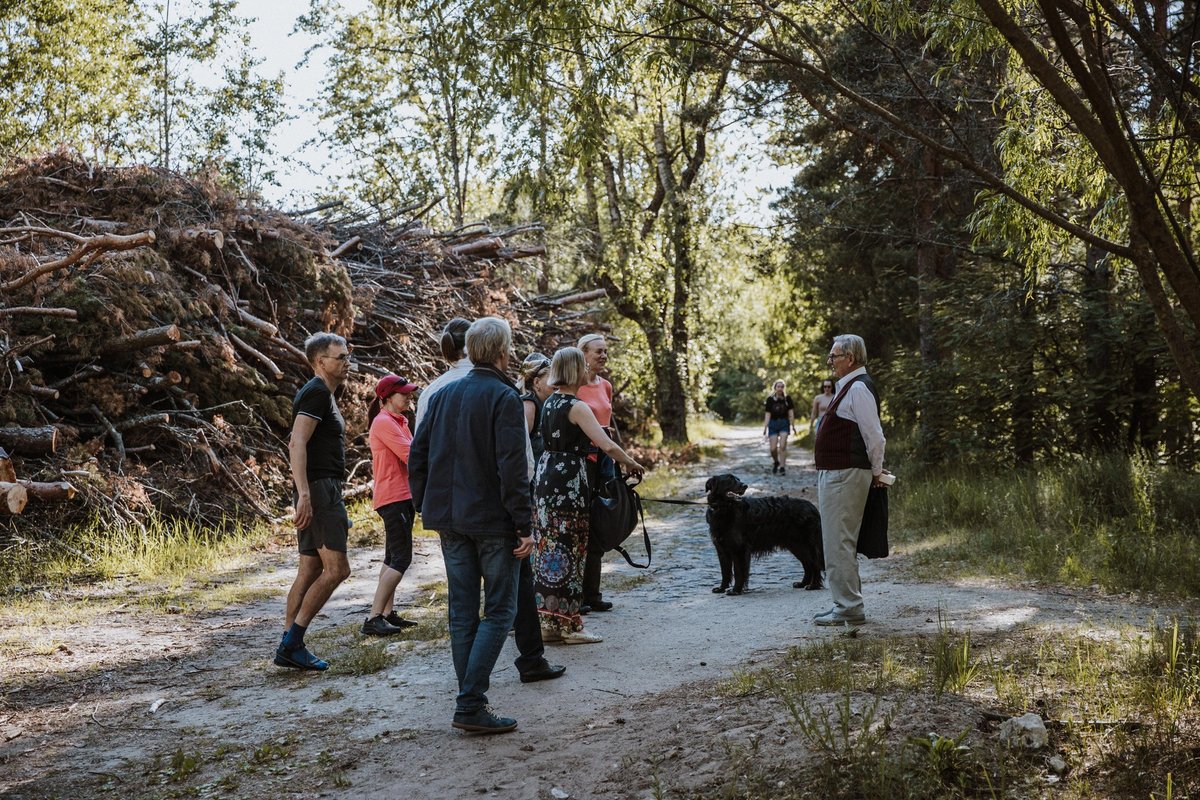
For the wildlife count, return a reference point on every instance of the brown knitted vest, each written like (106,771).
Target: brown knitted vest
(839,443)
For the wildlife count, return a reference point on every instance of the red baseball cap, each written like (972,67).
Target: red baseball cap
(391,384)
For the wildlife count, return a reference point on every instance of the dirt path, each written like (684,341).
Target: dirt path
(85,719)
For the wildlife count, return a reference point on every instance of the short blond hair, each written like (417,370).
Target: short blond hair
(586,340)
(568,368)
(488,339)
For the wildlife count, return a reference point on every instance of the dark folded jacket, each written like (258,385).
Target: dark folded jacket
(467,466)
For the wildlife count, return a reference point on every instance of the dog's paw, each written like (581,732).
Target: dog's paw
(719,589)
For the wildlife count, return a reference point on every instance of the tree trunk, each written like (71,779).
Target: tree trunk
(49,492)
(1024,378)
(1102,388)
(670,399)
(154,337)
(13,497)
(30,441)
(934,393)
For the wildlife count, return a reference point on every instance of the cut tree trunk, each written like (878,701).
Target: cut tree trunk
(54,492)
(13,497)
(30,441)
(153,337)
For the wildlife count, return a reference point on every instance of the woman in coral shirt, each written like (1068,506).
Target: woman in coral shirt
(390,440)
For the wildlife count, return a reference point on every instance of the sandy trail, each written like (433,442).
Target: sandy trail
(78,721)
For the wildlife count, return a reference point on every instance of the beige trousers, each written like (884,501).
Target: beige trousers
(841,498)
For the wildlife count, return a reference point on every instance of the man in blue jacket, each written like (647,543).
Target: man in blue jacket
(467,471)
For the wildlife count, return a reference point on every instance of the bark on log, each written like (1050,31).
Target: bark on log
(54,492)
(295,352)
(209,237)
(488,244)
(13,497)
(260,325)
(579,297)
(259,357)
(524,251)
(30,441)
(189,344)
(84,372)
(40,392)
(346,246)
(7,471)
(153,337)
(36,311)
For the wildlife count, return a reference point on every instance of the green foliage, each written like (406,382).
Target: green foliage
(953,668)
(1135,531)
(68,68)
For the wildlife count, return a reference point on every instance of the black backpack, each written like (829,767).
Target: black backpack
(615,517)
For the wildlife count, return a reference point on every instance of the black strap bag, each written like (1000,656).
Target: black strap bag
(873,533)
(615,517)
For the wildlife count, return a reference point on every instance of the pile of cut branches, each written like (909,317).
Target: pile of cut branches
(151,326)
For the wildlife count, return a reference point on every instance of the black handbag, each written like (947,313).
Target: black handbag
(615,517)
(872,533)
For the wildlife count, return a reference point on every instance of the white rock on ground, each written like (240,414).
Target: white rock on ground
(1026,731)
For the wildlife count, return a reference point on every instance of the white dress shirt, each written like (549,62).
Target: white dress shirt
(859,406)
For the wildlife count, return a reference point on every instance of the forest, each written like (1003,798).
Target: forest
(997,196)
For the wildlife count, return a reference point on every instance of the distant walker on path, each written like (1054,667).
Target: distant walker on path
(849,460)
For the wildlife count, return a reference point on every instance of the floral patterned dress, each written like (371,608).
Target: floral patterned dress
(560,519)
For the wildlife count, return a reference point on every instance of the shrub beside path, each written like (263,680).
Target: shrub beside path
(140,703)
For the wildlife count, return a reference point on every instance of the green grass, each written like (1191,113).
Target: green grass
(158,548)
(1124,712)
(1123,523)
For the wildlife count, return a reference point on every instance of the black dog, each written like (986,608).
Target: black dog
(743,527)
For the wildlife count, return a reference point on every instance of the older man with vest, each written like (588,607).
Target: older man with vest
(849,460)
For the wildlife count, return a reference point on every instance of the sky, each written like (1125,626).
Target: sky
(310,167)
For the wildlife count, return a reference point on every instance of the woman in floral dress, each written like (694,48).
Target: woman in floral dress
(562,498)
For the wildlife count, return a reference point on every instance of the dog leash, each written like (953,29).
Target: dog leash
(674,502)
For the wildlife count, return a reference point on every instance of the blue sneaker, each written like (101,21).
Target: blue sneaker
(299,658)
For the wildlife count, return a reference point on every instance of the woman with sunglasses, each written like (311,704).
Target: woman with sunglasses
(821,404)
(536,388)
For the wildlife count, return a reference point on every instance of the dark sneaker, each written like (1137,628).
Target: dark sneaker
(783,471)
(585,609)
(483,721)
(400,622)
(600,605)
(299,658)
(545,672)
(378,626)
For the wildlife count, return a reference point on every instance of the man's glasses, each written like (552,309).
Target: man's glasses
(342,357)
(836,356)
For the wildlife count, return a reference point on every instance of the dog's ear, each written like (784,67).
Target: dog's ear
(708,484)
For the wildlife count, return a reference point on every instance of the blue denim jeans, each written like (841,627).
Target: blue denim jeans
(474,643)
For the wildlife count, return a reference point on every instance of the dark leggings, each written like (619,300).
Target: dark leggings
(397,527)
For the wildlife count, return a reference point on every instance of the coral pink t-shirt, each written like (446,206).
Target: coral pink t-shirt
(598,396)
(390,442)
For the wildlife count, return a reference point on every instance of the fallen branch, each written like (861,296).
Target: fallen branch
(37,311)
(52,492)
(153,337)
(89,247)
